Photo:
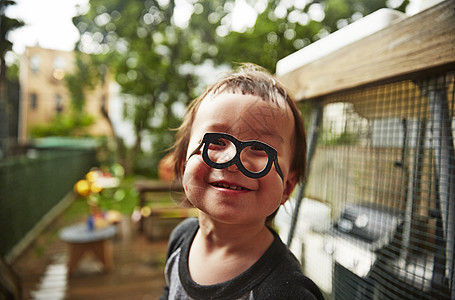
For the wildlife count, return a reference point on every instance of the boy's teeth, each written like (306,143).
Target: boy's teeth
(227,186)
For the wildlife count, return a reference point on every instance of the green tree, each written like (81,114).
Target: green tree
(154,58)
(6,25)
(145,57)
(284,27)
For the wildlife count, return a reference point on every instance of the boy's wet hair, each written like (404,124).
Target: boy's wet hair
(248,79)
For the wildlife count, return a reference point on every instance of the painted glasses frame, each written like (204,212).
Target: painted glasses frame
(211,137)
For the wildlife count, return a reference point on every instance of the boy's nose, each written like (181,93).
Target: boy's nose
(232,168)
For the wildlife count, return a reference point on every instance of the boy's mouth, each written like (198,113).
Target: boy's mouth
(228,186)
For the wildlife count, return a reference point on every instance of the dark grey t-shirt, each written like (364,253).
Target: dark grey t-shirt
(276,275)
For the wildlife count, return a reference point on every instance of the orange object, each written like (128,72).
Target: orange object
(166,168)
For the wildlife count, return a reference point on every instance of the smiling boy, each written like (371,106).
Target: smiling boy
(239,153)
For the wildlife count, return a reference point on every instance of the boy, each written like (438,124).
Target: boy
(239,152)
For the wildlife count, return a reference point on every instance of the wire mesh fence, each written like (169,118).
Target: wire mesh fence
(31,185)
(378,218)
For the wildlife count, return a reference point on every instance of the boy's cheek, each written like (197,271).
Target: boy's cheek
(194,177)
(195,167)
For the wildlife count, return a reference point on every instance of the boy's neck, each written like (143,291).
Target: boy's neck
(237,246)
(233,237)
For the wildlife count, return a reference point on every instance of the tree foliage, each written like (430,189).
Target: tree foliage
(72,124)
(6,25)
(154,57)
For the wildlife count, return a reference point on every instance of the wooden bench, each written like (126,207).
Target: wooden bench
(162,220)
(152,186)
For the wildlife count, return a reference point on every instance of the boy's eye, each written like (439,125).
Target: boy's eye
(217,144)
(256,150)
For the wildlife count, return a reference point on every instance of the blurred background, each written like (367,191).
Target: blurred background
(90,92)
(125,70)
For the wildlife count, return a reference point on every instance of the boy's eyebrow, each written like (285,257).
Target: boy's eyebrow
(273,136)
(218,127)
(258,132)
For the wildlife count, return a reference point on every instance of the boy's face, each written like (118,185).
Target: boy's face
(228,195)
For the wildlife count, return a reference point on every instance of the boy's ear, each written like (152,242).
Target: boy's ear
(289,186)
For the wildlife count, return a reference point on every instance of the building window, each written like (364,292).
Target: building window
(59,62)
(58,103)
(33,101)
(35,62)
(59,68)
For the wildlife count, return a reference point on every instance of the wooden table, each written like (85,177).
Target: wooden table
(81,240)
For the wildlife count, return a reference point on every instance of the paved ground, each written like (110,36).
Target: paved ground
(137,272)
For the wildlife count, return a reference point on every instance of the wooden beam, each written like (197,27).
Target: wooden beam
(415,44)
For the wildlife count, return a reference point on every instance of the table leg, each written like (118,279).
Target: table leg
(76,251)
(103,252)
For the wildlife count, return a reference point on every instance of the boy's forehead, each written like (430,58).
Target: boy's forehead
(279,103)
(258,117)
(244,130)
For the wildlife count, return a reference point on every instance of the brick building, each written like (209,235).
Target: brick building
(44,93)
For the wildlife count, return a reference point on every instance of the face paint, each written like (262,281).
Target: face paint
(253,158)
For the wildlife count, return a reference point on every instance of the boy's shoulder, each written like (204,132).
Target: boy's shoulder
(184,226)
(180,232)
(287,281)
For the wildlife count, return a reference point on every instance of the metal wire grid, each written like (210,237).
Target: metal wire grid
(391,146)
